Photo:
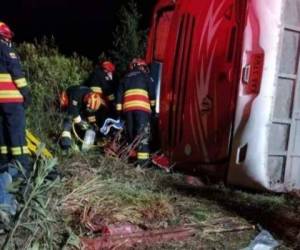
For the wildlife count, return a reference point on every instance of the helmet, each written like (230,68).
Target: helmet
(93,101)
(63,99)
(5,31)
(108,66)
(138,63)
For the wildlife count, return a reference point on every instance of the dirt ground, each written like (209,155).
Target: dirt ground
(99,192)
(226,218)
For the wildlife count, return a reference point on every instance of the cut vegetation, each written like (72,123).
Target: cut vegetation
(100,195)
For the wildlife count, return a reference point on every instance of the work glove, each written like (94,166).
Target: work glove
(25,92)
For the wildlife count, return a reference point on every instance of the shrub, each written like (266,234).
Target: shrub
(48,72)
(129,39)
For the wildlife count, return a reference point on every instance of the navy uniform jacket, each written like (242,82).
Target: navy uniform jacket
(99,82)
(136,93)
(12,80)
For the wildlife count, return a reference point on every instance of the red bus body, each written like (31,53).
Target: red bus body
(198,44)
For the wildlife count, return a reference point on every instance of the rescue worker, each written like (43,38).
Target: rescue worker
(102,81)
(14,99)
(81,101)
(136,99)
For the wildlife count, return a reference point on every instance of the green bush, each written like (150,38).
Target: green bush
(48,72)
(129,40)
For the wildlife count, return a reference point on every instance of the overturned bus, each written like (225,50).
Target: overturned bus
(228,88)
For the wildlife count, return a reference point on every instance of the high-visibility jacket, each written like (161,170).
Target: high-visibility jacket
(11,76)
(135,93)
(99,82)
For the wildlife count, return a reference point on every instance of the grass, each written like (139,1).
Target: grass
(112,191)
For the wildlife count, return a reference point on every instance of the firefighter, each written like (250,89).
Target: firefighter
(136,99)
(14,99)
(102,81)
(80,102)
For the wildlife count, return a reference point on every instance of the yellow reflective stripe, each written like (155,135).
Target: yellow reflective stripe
(25,150)
(153,102)
(92,118)
(111,97)
(119,107)
(21,82)
(10,93)
(16,150)
(5,77)
(96,89)
(77,119)
(66,134)
(136,92)
(3,150)
(136,104)
(142,156)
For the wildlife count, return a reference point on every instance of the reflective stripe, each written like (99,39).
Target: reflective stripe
(92,118)
(5,77)
(153,102)
(77,119)
(25,150)
(21,82)
(19,150)
(66,134)
(10,93)
(111,97)
(119,107)
(3,150)
(137,104)
(136,92)
(16,150)
(143,155)
(96,89)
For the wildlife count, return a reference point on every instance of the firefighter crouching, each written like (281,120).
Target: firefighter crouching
(14,98)
(136,99)
(83,107)
(102,81)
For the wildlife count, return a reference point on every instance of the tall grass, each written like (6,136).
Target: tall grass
(35,221)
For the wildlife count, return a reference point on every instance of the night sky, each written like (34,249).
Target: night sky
(82,26)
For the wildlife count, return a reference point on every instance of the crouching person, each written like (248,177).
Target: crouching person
(136,99)
(14,98)
(84,107)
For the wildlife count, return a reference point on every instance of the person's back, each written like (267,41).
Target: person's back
(136,99)
(135,92)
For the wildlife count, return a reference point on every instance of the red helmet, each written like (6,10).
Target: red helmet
(63,99)
(93,101)
(108,66)
(5,31)
(138,62)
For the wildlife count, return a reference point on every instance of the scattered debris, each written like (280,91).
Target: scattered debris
(125,237)
(263,241)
